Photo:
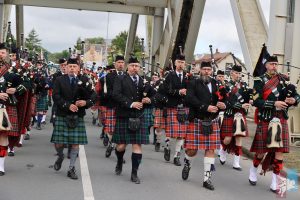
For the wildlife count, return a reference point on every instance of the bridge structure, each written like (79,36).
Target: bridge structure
(183,21)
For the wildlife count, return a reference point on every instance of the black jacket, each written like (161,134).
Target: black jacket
(64,95)
(198,99)
(171,87)
(125,92)
(107,99)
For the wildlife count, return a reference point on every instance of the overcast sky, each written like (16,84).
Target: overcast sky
(59,28)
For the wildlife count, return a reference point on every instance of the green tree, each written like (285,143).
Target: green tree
(118,45)
(54,57)
(32,42)
(95,40)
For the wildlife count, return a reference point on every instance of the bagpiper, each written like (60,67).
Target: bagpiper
(130,121)
(234,123)
(72,94)
(108,104)
(176,122)
(203,131)
(272,95)
(41,92)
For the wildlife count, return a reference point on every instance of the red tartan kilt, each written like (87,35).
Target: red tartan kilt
(259,143)
(110,120)
(13,118)
(159,120)
(227,127)
(33,106)
(196,140)
(174,129)
(102,112)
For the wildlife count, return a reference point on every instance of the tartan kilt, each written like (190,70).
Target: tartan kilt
(259,143)
(159,120)
(109,120)
(42,104)
(227,127)
(123,135)
(196,140)
(102,113)
(13,118)
(174,129)
(64,135)
(33,106)
(148,114)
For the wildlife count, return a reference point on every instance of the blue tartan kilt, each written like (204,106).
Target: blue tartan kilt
(64,135)
(123,135)
(42,103)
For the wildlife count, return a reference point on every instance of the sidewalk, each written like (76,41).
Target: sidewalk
(291,160)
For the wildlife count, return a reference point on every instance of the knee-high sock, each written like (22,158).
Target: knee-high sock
(159,135)
(39,119)
(60,151)
(109,137)
(167,141)
(208,167)
(136,159)
(73,156)
(179,143)
(188,160)
(3,151)
(120,155)
(277,166)
(238,150)
(21,139)
(44,118)
(256,161)
(2,159)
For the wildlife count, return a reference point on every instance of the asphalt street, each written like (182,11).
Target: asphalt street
(30,175)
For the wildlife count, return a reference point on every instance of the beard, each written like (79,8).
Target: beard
(205,79)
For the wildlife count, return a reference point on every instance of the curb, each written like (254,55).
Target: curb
(250,155)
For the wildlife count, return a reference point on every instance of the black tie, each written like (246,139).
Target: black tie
(119,73)
(180,77)
(73,82)
(135,80)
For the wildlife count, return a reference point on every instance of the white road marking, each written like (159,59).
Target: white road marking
(85,175)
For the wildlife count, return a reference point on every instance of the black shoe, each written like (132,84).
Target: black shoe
(274,191)
(167,154)
(27,137)
(2,173)
(185,172)
(94,121)
(222,162)
(118,169)
(11,154)
(208,185)
(108,151)
(238,168)
(157,147)
(252,182)
(176,161)
(72,174)
(105,141)
(44,123)
(38,127)
(135,178)
(58,162)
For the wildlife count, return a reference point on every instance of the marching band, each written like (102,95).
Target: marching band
(199,110)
